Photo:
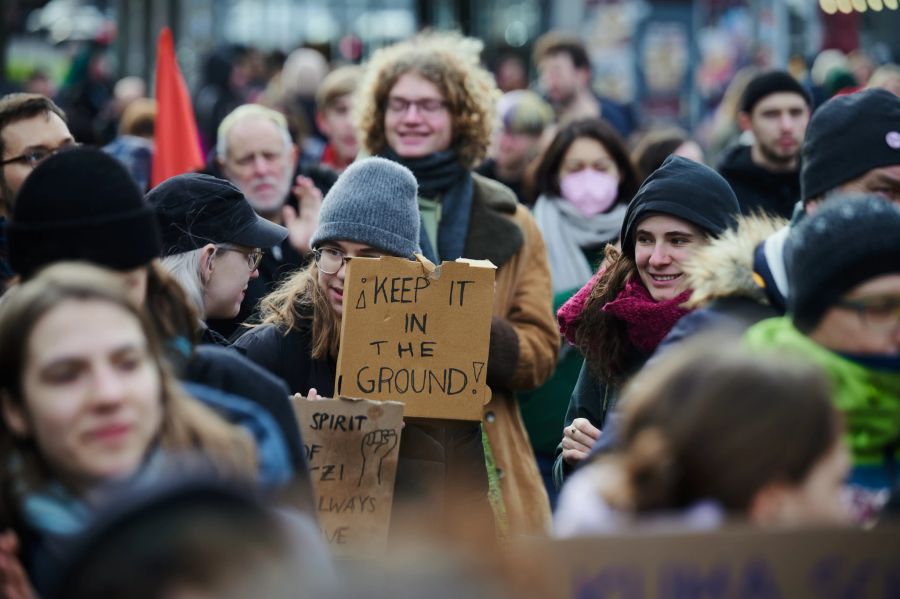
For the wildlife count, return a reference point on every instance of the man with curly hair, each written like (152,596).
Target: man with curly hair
(429,105)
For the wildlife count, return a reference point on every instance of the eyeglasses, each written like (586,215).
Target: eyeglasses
(429,106)
(330,260)
(254,256)
(877,312)
(34,157)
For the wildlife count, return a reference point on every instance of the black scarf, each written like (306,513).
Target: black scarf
(441,176)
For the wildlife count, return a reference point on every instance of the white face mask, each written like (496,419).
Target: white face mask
(591,192)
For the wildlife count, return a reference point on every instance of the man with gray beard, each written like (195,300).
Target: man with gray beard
(255,152)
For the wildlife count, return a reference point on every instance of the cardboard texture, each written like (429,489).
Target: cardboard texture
(352,446)
(728,563)
(417,334)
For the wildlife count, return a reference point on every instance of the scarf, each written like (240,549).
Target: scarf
(566,232)
(441,176)
(868,397)
(648,321)
(55,510)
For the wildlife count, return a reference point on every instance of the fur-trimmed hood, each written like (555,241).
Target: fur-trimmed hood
(724,267)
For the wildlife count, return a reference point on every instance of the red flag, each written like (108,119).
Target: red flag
(177,142)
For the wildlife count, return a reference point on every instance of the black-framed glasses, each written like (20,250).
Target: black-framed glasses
(330,260)
(254,256)
(34,157)
(879,312)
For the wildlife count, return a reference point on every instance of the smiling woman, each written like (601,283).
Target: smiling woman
(637,297)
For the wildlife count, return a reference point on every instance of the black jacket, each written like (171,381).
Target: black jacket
(757,188)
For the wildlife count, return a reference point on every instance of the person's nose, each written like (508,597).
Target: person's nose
(660,256)
(107,386)
(412,114)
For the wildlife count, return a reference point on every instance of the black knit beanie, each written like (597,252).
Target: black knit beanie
(847,137)
(771,82)
(684,189)
(81,204)
(847,241)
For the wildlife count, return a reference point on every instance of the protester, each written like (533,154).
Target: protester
(211,242)
(585,181)
(695,453)
(89,401)
(370,212)
(133,146)
(566,76)
(637,297)
(656,145)
(765,175)
(844,314)
(428,104)
(62,214)
(32,127)
(334,117)
(256,154)
(523,118)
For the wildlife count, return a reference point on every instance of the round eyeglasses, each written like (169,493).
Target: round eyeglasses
(254,256)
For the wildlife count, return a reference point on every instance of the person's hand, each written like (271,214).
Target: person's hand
(14,583)
(578,439)
(301,227)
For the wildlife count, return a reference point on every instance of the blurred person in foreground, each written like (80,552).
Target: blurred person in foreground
(522,119)
(89,404)
(429,105)
(843,313)
(695,452)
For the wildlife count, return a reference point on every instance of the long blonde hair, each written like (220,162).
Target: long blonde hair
(299,301)
(187,425)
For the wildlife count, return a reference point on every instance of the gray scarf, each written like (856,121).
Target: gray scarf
(566,231)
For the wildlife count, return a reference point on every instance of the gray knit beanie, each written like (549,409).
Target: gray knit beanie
(373,202)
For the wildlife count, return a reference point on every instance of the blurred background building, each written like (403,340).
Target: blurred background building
(671,59)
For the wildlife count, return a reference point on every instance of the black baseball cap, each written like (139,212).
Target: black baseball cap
(195,209)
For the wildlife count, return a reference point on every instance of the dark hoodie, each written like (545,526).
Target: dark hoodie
(757,188)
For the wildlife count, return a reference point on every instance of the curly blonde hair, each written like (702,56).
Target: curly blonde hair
(450,62)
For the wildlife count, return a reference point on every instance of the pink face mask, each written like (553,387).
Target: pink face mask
(591,192)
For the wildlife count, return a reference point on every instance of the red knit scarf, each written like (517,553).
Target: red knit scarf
(648,320)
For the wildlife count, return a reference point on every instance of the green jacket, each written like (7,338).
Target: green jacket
(869,399)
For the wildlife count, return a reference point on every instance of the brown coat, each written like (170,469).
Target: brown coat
(524,343)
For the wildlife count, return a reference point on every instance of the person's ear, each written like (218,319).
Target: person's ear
(14,415)
(768,505)
(207,262)
(295,155)
(743,120)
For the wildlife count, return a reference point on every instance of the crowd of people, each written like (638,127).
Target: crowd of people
(672,345)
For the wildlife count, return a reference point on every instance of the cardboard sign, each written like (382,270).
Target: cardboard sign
(352,447)
(417,334)
(728,563)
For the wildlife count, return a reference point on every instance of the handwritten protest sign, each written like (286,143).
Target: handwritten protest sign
(417,334)
(352,447)
(722,564)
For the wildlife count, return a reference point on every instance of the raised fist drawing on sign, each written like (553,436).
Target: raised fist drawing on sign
(376,445)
